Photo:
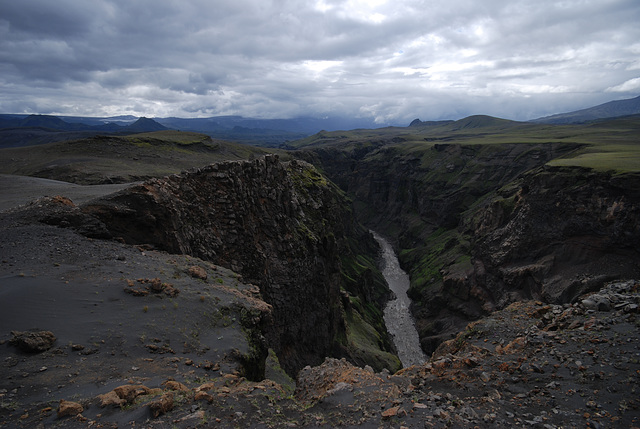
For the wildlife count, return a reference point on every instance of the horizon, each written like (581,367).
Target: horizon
(383,61)
(301,117)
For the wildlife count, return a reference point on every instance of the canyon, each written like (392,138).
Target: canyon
(481,226)
(262,275)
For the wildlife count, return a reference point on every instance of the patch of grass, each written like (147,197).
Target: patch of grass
(118,159)
(174,136)
(364,344)
(442,248)
(621,159)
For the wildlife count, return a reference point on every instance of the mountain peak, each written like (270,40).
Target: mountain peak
(611,109)
(145,125)
(481,121)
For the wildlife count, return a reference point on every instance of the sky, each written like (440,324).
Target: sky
(388,60)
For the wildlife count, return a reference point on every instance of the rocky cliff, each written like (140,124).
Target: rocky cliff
(410,192)
(481,226)
(552,234)
(283,227)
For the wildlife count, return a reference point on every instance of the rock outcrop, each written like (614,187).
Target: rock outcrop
(281,226)
(33,341)
(69,408)
(568,231)
(552,235)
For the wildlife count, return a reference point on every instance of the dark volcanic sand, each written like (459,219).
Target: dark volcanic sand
(54,279)
(18,190)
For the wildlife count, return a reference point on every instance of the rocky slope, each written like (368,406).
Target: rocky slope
(81,316)
(528,365)
(552,235)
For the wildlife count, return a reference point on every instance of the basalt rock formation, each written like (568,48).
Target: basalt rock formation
(562,233)
(481,226)
(551,235)
(410,194)
(283,227)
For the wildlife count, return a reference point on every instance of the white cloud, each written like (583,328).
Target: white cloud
(393,61)
(628,86)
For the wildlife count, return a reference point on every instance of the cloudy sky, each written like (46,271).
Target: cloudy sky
(392,60)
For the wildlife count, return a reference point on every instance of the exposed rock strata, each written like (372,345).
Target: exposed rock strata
(409,194)
(552,235)
(567,232)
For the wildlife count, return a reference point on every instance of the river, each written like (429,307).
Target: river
(397,317)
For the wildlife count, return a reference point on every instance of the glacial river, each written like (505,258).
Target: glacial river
(396,314)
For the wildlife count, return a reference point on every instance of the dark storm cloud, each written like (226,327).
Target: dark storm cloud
(390,60)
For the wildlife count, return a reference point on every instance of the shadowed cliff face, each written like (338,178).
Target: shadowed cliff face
(479,227)
(552,235)
(282,226)
(408,194)
(556,234)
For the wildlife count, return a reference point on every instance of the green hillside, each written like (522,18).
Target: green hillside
(120,159)
(606,145)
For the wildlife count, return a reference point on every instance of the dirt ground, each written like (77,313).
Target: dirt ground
(80,289)
(19,190)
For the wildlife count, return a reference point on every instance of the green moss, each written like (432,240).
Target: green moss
(442,248)
(364,344)
(273,371)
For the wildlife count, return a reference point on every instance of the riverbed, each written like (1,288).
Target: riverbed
(397,316)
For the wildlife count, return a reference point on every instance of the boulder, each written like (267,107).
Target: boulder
(198,272)
(175,385)
(129,392)
(68,408)
(111,399)
(33,342)
(162,405)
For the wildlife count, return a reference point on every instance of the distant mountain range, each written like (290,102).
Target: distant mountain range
(260,132)
(611,109)
(22,130)
(137,125)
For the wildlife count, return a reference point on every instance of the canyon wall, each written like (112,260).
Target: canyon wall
(283,227)
(481,226)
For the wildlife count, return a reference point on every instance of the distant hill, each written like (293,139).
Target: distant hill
(254,131)
(40,121)
(611,109)
(144,125)
(417,123)
(18,131)
(481,121)
(301,125)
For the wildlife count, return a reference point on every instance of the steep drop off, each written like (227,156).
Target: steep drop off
(551,235)
(284,228)
(481,226)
